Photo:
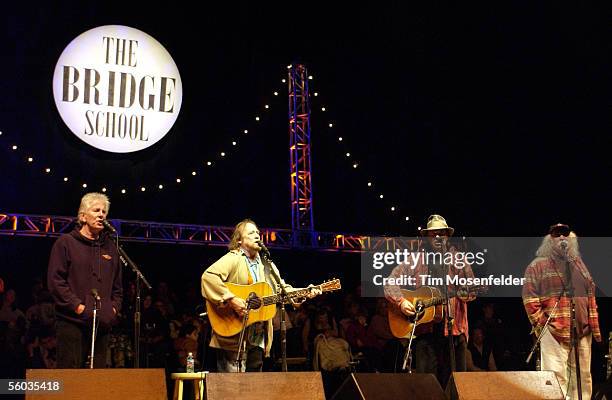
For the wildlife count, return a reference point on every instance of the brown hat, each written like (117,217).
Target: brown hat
(436,222)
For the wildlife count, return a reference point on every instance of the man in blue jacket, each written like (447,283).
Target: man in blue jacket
(83,263)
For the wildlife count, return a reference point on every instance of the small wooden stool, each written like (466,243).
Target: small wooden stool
(198,384)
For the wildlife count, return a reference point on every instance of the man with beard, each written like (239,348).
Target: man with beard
(558,277)
(241,265)
(433,343)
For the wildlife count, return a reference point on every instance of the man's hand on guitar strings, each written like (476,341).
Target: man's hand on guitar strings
(238,305)
(466,295)
(407,308)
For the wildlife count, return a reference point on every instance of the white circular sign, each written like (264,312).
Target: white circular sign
(117,89)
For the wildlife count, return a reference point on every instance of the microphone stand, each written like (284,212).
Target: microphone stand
(127,262)
(283,322)
(539,339)
(241,340)
(449,318)
(204,336)
(407,364)
(93,332)
(573,326)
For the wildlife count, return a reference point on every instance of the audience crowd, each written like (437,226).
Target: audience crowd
(335,331)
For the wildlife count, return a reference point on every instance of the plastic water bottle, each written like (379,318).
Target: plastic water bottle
(190,363)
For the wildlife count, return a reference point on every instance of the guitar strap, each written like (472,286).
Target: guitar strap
(267,273)
(269,278)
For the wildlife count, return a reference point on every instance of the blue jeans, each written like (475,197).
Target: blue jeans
(252,360)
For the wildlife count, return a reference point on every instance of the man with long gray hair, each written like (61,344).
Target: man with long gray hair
(554,280)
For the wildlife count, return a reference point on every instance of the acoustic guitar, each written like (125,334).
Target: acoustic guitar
(426,299)
(261,300)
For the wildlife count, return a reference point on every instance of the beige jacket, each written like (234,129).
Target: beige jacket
(232,268)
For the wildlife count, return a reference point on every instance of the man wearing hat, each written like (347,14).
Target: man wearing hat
(435,338)
(550,278)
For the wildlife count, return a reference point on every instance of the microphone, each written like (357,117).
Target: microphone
(200,311)
(109,227)
(94,293)
(563,245)
(439,240)
(264,249)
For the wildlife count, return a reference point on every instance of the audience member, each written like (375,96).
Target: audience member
(42,353)
(479,356)
(186,343)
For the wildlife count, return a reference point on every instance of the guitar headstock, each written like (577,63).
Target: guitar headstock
(330,286)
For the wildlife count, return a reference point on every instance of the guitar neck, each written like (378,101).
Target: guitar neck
(433,302)
(275,298)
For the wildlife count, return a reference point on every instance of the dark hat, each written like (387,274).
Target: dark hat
(559,229)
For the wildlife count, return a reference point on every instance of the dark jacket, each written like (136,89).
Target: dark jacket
(76,266)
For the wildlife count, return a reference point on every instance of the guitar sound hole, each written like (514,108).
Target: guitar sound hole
(254,302)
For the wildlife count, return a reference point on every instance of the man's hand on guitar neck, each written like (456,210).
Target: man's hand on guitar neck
(313,291)
(407,308)
(238,305)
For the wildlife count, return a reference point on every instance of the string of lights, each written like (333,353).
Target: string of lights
(353,162)
(214,159)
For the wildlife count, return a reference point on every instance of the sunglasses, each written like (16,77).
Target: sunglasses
(560,232)
(436,233)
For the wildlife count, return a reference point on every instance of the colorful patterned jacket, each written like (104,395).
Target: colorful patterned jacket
(543,286)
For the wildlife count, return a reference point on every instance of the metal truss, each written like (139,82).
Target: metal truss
(12,224)
(301,236)
(302,221)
